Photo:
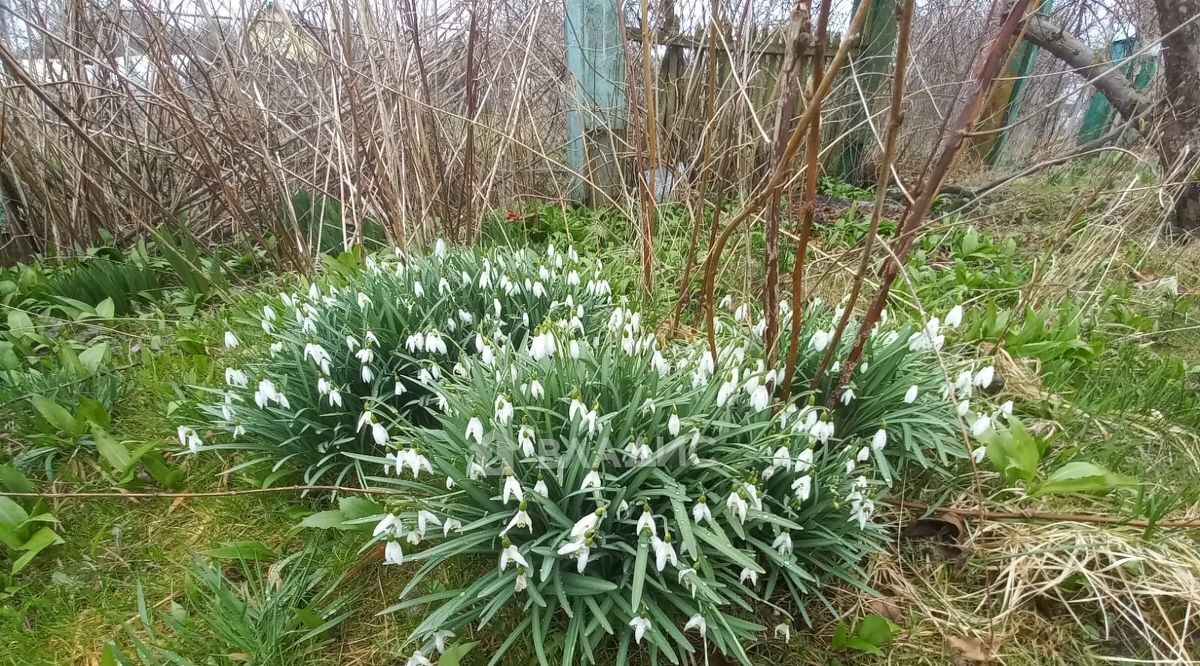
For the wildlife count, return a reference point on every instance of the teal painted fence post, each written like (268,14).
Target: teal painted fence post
(1098,118)
(595,100)
(1026,58)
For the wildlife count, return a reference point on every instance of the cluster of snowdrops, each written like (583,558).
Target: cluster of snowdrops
(643,493)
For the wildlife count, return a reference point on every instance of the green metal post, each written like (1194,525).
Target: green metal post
(596,103)
(1098,118)
(871,65)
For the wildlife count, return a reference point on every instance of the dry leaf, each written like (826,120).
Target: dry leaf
(968,649)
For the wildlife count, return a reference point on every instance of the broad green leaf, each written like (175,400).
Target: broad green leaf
(12,517)
(113,452)
(105,309)
(358,507)
(41,540)
(56,415)
(876,629)
(14,481)
(639,574)
(93,357)
(454,654)
(1082,477)
(19,323)
(92,411)
(8,358)
(324,520)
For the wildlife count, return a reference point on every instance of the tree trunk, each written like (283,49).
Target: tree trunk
(1181,118)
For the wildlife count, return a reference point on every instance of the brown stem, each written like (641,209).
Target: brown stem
(895,118)
(651,156)
(951,143)
(1044,516)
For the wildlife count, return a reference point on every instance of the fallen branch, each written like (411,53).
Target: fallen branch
(1044,516)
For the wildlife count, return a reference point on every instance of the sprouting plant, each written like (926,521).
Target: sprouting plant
(339,368)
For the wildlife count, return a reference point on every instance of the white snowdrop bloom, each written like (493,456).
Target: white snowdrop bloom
(1006,408)
(646,522)
(910,396)
(235,378)
(390,524)
(425,519)
(425,376)
(847,396)
(418,290)
(439,639)
(540,488)
(660,364)
(802,487)
(573,348)
(414,342)
(861,513)
(418,658)
(727,388)
(367,374)
(673,424)
(541,346)
(525,439)
(664,553)
(707,364)
(726,302)
(536,390)
(890,338)
(522,582)
(414,460)
(379,434)
(487,356)
(512,489)
(365,355)
(819,341)
(983,378)
(231,341)
(439,249)
(238,431)
(748,575)
(511,554)
(539,290)
(979,453)
(265,393)
(475,430)
(268,314)
(573,278)
(465,317)
(442,403)
(981,425)
(335,398)
(496,306)
(783,629)
(954,317)
(451,525)
(804,461)
(752,496)
(701,512)
(364,301)
(443,286)
(592,480)
(742,313)
(864,454)
(189,438)
(275,348)
(393,553)
(640,626)
(782,458)
(697,622)
(504,410)
(783,544)
(737,506)
(434,343)
(963,407)
(963,383)
(760,399)
(879,439)
(520,520)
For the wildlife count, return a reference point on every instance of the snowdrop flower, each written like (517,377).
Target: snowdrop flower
(364,301)
(390,524)
(540,487)
(983,378)
(413,460)
(850,466)
(819,341)
(512,488)
(737,505)
(963,407)
(664,552)
(520,520)
(747,574)
(367,374)
(414,342)
(847,396)
(434,343)
(511,554)
(697,622)
(660,364)
(504,410)
(189,438)
(589,420)
(379,434)
(393,553)
(785,630)
(1006,409)
(525,436)
(439,639)
(580,549)
(954,317)
(962,385)
(365,355)
(804,461)
(275,348)
(979,453)
(981,425)
(673,424)
(760,398)
(573,348)
(522,580)
(536,390)
(646,522)
(335,397)
(424,519)
(475,430)
(910,396)
(231,341)
(701,512)
(879,439)
(864,454)
(802,488)
(783,544)
(451,524)
(640,626)
(439,249)
(235,378)
(265,393)
(592,480)
(418,290)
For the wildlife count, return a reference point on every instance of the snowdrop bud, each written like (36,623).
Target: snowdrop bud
(910,396)
(231,341)
(954,317)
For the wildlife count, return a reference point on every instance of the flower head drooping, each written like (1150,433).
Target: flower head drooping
(592,480)
(783,544)
(525,440)
(910,396)
(645,522)
(504,410)
(847,396)
(983,378)
(701,512)
(697,622)
(879,439)
(540,487)
(673,424)
(521,520)
(640,625)
(736,504)
(664,552)
(475,430)
(509,553)
(189,438)
(750,575)
(954,317)
(393,553)
(231,341)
